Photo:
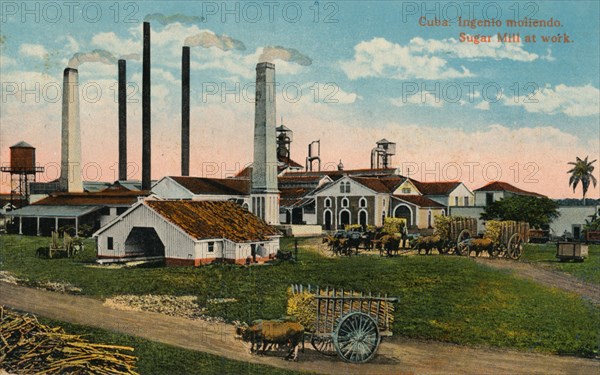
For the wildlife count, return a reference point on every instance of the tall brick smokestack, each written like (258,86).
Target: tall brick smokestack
(70,167)
(122,120)
(265,194)
(146,112)
(185,111)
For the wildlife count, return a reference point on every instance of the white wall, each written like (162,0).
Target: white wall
(310,219)
(461,191)
(474,212)
(177,244)
(569,216)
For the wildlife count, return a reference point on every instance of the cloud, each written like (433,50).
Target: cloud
(6,61)
(427,58)
(174,18)
(109,41)
(209,39)
(33,50)
(572,101)
(381,58)
(131,56)
(97,55)
(271,53)
(484,106)
(418,100)
(327,93)
(452,48)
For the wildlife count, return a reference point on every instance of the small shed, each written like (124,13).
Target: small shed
(187,233)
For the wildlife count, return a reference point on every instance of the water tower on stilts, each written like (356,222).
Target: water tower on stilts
(22,171)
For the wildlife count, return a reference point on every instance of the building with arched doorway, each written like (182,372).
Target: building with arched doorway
(367,200)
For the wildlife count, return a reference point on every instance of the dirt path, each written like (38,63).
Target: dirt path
(400,356)
(546,277)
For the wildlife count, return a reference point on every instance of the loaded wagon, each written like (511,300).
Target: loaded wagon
(343,323)
(449,232)
(501,239)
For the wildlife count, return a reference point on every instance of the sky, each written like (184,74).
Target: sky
(349,73)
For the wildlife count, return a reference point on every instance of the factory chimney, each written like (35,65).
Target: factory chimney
(146,112)
(265,194)
(70,168)
(185,111)
(122,120)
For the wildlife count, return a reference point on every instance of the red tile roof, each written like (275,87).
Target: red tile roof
(505,186)
(100,198)
(215,186)
(213,219)
(420,201)
(392,182)
(435,188)
(372,183)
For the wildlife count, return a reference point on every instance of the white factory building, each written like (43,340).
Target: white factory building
(188,233)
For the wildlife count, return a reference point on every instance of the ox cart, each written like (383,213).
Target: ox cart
(501,239)
(61,247)
(450,232)
(343,323)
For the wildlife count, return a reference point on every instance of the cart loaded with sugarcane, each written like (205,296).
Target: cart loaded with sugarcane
(458,235)
(500,239)
(450,231)
(345,323)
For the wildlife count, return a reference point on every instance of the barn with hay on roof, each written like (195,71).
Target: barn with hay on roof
(187,233)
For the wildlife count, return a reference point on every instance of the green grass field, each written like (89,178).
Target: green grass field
(545,255)
(444,298)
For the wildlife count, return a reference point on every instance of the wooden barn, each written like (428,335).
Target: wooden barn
(187,233)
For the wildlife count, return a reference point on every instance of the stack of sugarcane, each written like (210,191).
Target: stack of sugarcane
(304,306)
(29,347)
(449,227)
(501,231)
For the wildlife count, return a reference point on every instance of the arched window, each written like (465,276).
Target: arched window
(327,202)
(345,202)
(347,187)
(429,219)
(362,203)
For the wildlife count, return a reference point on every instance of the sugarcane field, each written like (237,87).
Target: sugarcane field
(299,187)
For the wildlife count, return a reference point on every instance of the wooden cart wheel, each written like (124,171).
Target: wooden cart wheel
(356,337)
(323,344)
(461,247)
(515,246)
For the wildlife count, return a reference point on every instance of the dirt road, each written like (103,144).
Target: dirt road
(400,356)
(547,277)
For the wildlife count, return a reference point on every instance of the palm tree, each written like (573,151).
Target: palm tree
(582,171)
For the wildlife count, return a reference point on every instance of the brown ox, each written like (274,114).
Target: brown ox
(264,334)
